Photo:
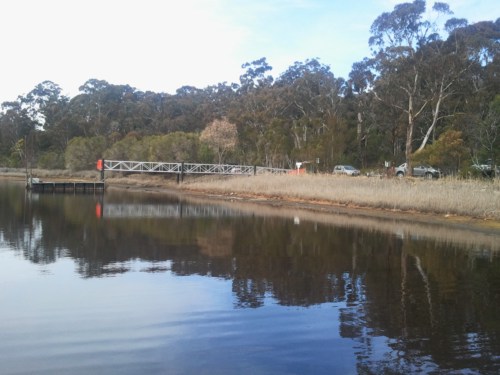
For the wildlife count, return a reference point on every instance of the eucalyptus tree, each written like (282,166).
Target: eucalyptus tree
(184,110)
(149,112)
(45,103)
(311,99)
(15,127)
(255,75)
(78,117)
(252,109)
(48,108)
(459,66)
(91,103)
(471,54)
(124,115)
(276,145)
(108,108)
(415,63)
(360,96)
(481,42)
(379,127)
(488,134)
(218,100)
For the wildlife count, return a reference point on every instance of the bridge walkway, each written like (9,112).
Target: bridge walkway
(185,168)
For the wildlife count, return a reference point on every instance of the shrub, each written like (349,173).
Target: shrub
(82,153)
(51,160)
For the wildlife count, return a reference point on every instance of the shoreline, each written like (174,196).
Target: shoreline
(455,221)
(165,186)
(475,234)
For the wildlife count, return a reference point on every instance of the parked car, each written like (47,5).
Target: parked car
(346,169)
(421,170)
(487,169)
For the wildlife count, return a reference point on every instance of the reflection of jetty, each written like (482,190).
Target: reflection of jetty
(66,187)
(166,211)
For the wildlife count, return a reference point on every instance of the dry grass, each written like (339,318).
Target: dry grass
(473,198)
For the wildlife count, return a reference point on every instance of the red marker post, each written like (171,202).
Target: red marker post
(100,167)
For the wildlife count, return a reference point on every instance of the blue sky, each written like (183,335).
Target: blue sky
(161,45)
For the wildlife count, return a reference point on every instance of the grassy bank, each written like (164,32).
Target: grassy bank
(471,198)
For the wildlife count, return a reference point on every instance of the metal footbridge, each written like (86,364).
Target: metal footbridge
(185,168)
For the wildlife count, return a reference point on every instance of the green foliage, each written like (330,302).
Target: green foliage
(206,154)
(18,151)
(331,144)
(14,162)
(51,160)
(175,147)
(82,153)
(448,152)
(5,162)
(123,149)
(489,132)
(276,144)
(495,107)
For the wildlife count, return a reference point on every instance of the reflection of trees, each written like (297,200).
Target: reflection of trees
(218,242)
(432,308)
(432,304)
(22,229)
(249,292)
(297,269)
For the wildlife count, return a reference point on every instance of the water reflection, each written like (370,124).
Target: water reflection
(173,210)
(435,298)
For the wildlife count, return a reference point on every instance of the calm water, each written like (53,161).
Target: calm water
(149,284)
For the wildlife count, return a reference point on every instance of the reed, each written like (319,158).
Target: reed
(447,196)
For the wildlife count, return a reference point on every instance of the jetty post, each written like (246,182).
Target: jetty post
(182,172)
(100,167)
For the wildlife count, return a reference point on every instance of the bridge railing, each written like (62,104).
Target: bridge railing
(188,168)
(141,166)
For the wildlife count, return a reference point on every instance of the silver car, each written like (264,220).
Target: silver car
(419,171)
(346,169)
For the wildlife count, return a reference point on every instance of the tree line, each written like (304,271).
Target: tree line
(429,92)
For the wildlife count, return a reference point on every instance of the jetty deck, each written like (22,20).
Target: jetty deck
(66,187)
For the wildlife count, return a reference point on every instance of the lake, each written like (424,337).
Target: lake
(145,283)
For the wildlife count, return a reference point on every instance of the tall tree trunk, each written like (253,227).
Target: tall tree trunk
(409,136)
(435,117)
(360,138)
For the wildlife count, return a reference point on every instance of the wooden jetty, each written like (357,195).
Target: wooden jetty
(66,187)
